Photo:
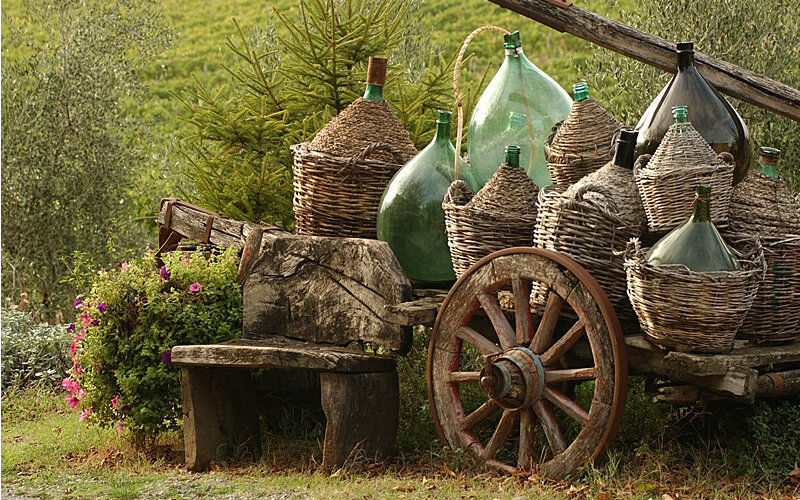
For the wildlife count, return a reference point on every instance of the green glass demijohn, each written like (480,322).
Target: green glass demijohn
(410,217)
(696,244)
(712,115)
(768,161)
(519,106)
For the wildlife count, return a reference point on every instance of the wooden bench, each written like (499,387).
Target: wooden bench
(305,299)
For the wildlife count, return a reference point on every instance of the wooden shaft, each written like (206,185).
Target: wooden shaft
(728,78)
(778,384)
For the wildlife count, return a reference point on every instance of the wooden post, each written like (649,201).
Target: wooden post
(362,412)
(726,77)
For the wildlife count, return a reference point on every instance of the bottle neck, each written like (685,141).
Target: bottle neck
(623,157)
(685,60)
(512,159)
(373,92)
(442,132)
(702,209)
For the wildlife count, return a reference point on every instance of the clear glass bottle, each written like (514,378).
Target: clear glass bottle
(712,115)
(695,244)
(519,87)
(410,218)
(768,161)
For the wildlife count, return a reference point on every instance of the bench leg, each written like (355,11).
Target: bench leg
(220,418)
(361,410)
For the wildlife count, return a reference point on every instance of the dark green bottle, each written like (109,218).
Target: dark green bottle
(712,115)
(768,161)
(696,244)
(410,217)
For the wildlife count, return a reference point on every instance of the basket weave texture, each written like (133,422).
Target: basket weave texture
(667,180)
(580,144)
(340,176)
(689,311)
(761,205)
(592,222)
(501,215)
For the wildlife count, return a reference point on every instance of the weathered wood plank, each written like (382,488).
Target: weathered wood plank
(330,290)
(417,312)
(728,78)
(278,352)
(362,414)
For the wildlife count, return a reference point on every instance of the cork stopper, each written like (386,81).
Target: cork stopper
(376,72)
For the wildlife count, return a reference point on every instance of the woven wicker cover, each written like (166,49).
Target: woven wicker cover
(581,143)
(667,189)
(688,311)
(337,196)
(361,124)
(501,215)
(589,222)
(761,205)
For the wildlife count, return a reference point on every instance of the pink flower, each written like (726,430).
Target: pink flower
(76,370)
(73,401)
(195,287)
(119,426)
(185,262)
(124,266)
(86,319)
(78,303)
(85,413)
(114,401)
(66,383)
(72,348)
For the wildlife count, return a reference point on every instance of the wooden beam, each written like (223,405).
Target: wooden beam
(726,77)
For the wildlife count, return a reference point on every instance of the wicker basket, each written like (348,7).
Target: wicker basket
(761,205)
(592,222)
(689,311)
(338,196)
(501,215)
(580,144)
(667,191)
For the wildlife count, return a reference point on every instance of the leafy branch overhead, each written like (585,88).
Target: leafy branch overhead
(283,88)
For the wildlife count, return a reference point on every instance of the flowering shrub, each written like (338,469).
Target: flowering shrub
(126,326)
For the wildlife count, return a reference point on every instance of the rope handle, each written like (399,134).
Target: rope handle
(459,103)
(641,162)
(580,195)
(374,147)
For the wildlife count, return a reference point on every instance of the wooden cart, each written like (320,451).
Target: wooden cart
(516,388)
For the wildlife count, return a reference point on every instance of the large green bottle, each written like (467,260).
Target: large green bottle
(519,106)
(696,244)
(410,217)
(768,161)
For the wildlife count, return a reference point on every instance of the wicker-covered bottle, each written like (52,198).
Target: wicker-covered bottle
(712,115)
(763,206)
(583,142)
(340,176)
(667,180)
(593,219)
(501,215)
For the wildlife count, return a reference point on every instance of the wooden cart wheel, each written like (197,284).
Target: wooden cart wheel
(497,394)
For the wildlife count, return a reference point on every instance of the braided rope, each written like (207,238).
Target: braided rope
(459,104)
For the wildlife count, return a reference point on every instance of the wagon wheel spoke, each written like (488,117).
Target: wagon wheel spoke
(483,412)
(550,426)
(544,334)
(464,377)
(569,406)
(500,434)
(486,346)
(527,427)
(522,310)
(569,375)
(505,333)
(564,344)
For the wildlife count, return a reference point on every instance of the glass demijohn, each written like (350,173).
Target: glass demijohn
(696,244)
(519,106)
(411,219)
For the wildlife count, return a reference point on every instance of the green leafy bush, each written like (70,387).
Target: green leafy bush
(742,32)
(71,142)
(32,353)
(126,326)
(284,87)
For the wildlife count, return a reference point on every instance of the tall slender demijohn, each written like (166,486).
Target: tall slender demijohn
(712,115)
(519,106)
(411,218)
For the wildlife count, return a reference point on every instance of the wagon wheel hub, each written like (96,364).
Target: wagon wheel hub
(514,379)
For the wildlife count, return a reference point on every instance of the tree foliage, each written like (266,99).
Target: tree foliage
(745,33)
(286,87)
(70,140)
